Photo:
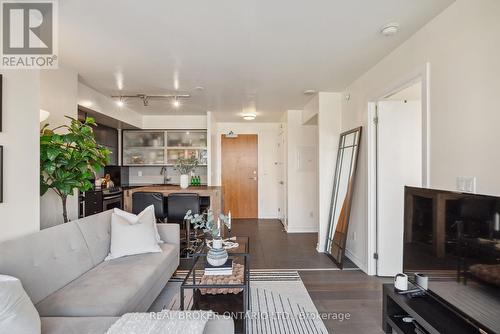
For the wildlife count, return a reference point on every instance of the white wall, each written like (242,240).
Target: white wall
(58,95)
(302,174)
(329,126)
(20,210)
(268,154)
(92,99)
(194,122)
(461,45)
(212,148)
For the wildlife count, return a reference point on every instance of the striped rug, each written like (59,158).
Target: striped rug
(280,303)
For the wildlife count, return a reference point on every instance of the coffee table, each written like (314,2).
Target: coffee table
(220,303)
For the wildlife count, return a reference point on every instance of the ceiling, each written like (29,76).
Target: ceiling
(243,53)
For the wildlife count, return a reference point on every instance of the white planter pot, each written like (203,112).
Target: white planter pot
(184,181)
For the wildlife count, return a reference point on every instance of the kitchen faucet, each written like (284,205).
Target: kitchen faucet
(163,172)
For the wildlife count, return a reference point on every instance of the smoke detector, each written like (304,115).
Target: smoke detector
(390,29)
(309,92)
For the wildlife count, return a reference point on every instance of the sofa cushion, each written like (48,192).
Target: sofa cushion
(99,325)
(133,238)
(96,230)
(76,325)
(113,287)
(47,260)
(17,313)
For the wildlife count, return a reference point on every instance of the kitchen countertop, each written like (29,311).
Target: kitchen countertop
(140,185)
(214,192)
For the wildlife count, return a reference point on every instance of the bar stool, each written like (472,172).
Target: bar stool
(141,200)
(178,204)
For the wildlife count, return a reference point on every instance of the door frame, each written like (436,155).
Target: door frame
(421,74)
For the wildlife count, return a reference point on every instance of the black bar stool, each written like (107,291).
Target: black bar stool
(178,204)
(141,200)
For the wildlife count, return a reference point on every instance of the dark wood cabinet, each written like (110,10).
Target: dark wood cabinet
(92,202)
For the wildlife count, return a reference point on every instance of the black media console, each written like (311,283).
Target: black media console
(429,314)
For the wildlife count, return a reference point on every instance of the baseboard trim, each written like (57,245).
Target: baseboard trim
(356,260)
(304,229)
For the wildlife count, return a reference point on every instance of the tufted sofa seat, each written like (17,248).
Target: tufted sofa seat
(62,269)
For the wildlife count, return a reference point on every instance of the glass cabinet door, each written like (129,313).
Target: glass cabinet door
(186,139)
(136,139)
(151,156)
(174,154)
(143,148)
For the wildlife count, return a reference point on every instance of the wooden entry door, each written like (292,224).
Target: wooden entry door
(239,175)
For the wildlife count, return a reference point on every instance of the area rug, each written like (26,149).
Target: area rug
(280,303)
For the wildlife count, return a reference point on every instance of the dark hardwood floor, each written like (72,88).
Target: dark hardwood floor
(332,291)
(272,248)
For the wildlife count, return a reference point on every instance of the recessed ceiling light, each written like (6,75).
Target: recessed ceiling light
(249,116)
(176,103)
(309,92)
(390,29)
(199,88)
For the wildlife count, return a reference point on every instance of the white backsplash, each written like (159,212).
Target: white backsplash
(151,175)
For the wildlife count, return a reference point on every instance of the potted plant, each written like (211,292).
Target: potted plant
(70,160)
(217,254)
(184,167)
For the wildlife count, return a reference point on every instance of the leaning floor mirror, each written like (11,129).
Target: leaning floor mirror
(343,186)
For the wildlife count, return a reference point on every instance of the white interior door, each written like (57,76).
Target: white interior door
(399,163)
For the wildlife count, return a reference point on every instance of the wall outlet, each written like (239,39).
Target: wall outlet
(139,173)
(466,184)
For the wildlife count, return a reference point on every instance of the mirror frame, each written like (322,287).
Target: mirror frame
(338,237)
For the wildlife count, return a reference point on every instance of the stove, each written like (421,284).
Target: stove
(112,198)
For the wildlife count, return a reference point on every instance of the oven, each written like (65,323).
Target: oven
(112,198)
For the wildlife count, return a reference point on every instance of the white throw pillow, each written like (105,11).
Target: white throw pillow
(17,312)
(131,239)
(133,219)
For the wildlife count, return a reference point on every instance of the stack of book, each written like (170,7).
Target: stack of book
(225,269)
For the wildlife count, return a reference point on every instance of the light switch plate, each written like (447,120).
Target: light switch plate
(139,173)
(466,184)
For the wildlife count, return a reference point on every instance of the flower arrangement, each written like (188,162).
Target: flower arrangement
(185,166)
(206,222)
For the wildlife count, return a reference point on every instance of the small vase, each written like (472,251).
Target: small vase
(184,181)
(217,255)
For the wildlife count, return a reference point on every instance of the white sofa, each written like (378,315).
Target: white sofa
(75,291)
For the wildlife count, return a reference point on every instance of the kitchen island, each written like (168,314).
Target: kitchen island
(214,193)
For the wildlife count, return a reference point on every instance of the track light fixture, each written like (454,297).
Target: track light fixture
(176,99)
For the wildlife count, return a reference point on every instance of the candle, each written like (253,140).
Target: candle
(229,220)
(218,225)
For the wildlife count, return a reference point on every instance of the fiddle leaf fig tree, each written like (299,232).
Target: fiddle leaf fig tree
(68,161)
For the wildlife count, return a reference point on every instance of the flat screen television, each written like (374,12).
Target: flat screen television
(454,238)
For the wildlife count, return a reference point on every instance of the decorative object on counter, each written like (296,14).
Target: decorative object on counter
(184,167)
(69,161)
(195,180)
(1,174)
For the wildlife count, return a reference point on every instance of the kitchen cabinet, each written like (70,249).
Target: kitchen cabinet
(163,147)
(92,202)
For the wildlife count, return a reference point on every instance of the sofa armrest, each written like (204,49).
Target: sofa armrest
(170,233)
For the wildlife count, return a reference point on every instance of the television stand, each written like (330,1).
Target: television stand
(430,315)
